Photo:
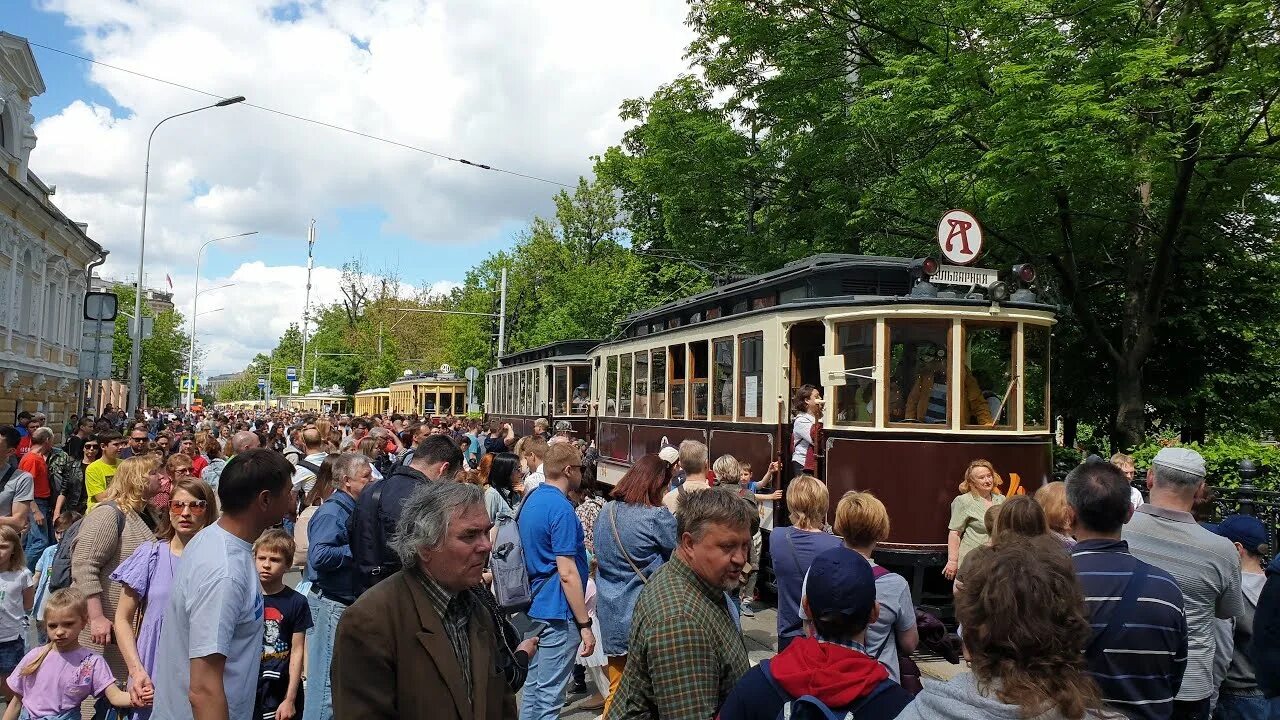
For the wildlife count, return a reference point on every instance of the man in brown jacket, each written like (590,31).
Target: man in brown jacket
(423,642)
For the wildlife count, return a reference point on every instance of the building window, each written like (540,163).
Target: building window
(750,376)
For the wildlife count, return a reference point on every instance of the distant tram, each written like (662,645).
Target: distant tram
(552,382)
(429,395)
(374,401)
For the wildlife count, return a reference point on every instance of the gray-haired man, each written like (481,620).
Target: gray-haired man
(425,640)
(1206,567)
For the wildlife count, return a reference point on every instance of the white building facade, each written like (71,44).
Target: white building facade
(45,261)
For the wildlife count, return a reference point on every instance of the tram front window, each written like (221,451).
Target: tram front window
(560,390)
(611,386)
(580,380)
(1035,375)
(919,374)
(989,382)
(856,399)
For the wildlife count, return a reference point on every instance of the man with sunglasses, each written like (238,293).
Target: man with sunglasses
(137,443)
(99,473)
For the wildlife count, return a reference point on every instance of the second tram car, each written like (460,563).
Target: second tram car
(430,395)
(552,382)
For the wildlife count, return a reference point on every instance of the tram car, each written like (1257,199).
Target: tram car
(375,401)
(917,382)
(552,382)
(322,402)
(436,394)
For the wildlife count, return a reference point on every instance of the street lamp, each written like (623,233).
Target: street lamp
(191,338)
(191,345)
(135,357)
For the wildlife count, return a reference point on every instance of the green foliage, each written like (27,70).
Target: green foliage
(164,354)
(1222,456)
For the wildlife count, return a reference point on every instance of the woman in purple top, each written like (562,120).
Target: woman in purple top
(793,548)
(146,576)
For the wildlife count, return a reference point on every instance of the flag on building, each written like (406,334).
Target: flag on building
(169,279)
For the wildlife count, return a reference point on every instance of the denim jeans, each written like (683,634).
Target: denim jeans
(549,671)
(325,614)
(38,534)
(1241,707)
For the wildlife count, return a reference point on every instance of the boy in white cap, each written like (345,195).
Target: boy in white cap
(1206,567)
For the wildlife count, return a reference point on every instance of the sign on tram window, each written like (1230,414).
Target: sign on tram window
(722,378)
(611,386)
(658,385)
(919,374)
(1035,377)
(856,398)
(641,406)
(624,386)
(751,376)
(698,382)
(987,395)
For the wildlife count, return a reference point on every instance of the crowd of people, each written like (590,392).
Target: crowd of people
(143,567)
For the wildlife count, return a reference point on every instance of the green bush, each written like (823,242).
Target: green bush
(1222,456)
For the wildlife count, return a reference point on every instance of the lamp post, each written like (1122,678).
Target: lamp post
(135,357)
(191,342)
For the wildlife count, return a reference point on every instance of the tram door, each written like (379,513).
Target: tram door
(807,341)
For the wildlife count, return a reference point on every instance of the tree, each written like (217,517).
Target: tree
(164,354)
(1124,147)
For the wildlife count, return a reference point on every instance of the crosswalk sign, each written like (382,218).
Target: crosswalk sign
(187,383)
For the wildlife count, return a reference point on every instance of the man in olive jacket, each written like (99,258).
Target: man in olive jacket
(423,643)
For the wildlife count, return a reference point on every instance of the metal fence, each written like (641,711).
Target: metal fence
(1219,502)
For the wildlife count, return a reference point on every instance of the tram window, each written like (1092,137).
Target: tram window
(750,376)
(641,406)
(624,385)
(989,381)
(446,403)
(611,386)
(1035,377)
(560,391)
(677,356)
(919,373)
(580,386)
(429,407)
(698,385)
(658,385)
(856,399)
(722,378)
(460,403)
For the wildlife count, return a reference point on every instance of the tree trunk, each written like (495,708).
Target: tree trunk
(1130,408)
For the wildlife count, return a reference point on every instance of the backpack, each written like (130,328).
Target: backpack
(808,707)
(506,561)
(60,570)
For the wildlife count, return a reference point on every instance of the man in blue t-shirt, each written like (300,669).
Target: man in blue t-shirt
(556,558)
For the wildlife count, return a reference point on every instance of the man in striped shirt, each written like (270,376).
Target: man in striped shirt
(1205,566)
(1139,646)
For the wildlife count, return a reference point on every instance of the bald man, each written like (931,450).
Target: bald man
(244,440)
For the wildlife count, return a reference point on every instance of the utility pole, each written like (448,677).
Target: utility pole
(306,303)
(502,315)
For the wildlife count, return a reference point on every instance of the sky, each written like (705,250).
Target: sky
(532,87)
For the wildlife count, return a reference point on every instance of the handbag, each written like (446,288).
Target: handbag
(908,670)
(613,524)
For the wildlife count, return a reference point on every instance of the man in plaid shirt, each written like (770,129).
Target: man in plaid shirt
(686,651)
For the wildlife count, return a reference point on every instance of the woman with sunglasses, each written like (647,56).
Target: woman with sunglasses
(146,576)
(92,452)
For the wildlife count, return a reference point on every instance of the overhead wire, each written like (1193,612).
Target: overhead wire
(313,121)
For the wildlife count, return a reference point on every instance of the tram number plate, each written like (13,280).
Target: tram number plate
(954,275)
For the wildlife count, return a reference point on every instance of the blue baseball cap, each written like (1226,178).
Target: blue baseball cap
(1244,529)
(840,581)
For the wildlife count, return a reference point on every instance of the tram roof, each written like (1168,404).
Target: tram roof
(563,350)
(860,278)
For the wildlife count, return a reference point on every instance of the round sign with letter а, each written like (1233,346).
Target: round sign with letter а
(959,237)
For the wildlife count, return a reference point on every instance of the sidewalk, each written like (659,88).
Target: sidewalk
(760,633)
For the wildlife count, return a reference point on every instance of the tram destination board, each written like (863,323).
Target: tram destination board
(954,275)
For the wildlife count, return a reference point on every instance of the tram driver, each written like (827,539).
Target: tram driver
(928,399)
(581,400)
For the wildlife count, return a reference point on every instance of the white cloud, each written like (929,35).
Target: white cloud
(527,85)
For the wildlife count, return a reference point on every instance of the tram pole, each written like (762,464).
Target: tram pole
(502,315)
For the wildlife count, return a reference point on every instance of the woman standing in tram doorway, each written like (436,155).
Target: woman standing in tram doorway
(806,404)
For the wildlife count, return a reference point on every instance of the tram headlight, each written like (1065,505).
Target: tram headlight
(924,268)
(1024,273)
(998,291)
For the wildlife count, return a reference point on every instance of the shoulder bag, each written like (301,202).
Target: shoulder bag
(613,524)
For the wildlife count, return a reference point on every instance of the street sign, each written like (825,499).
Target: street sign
(91,341)
(95,365)
(186,383)
(960,237)
(976,277)
(291,374)
(100,306)
(471,373)
(262,383)
(97,339)
(148,326)
(293,387)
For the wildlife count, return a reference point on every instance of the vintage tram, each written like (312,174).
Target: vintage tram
(430,395)
(322,401)
(374,401)
(552,381)
(917,382)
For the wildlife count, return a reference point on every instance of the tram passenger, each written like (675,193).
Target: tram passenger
(968,511)
(927,401)
(581,400)
(806,404)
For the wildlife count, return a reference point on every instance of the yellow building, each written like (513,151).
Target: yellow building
(45,261)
